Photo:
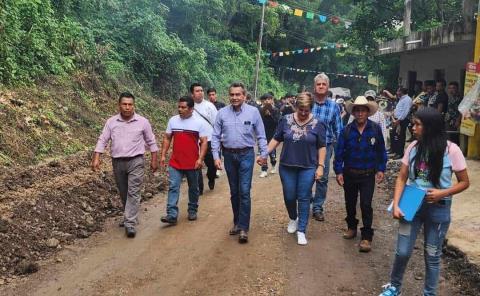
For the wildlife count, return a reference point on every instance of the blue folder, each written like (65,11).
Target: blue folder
(410,201)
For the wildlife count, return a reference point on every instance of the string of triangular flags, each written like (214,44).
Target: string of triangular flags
(322,18)
(335,74)
(327,45)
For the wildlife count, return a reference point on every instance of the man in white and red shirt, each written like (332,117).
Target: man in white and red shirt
(186,131)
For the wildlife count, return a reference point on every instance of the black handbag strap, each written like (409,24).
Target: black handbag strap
(204,117)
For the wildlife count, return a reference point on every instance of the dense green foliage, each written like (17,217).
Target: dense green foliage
(163,46)
(166,45)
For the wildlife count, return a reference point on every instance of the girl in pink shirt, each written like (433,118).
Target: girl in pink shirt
(428,163)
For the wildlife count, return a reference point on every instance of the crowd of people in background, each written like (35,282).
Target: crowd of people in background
(312,128)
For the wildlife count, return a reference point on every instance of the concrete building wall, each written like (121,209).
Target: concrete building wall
(451,59)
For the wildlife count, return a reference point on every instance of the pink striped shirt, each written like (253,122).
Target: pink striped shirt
(128,138)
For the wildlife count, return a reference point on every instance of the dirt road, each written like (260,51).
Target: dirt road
(200,258)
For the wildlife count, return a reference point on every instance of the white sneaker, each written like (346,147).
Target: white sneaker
(292,226)
(301,239)
(273,171)
(263,174)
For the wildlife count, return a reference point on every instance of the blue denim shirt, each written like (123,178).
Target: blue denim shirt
(238,130)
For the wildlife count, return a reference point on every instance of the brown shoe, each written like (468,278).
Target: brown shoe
(243,237)
(318,216)
(350,234)
(234,230)
(365,246)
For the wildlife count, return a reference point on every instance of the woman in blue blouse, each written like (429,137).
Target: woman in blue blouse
(301,162)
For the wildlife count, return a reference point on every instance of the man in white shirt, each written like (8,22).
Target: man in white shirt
(206,112)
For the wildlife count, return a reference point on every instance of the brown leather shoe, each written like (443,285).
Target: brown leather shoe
(318,216)
(350,234)
(365,246)
(243,237)
(234,230)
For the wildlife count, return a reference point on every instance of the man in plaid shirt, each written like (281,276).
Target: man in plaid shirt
(360,159)
(328,112)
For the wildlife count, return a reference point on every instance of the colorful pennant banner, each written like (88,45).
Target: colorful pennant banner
(306,50)
(322,18)
(335,74)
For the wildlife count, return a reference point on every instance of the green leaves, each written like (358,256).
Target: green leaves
(162,45)
(33,42)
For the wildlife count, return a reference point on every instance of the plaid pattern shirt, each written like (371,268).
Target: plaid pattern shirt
(328,112)
(361,151)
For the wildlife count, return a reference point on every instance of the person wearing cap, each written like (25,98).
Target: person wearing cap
(270,117)
(378,117)
(288,105)
(360,160)
(424,97)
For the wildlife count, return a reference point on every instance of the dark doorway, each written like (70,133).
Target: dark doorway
(412,77)
(462,80)
(439,74)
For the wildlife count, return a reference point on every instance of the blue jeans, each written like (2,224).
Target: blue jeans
(435,219)
(239,168)
(322,184)
(297,187)
(174,181)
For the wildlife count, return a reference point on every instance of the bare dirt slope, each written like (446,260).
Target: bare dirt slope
(200,258)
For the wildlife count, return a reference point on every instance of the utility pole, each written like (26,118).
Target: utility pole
(476,57)
(259,51)
(407,18)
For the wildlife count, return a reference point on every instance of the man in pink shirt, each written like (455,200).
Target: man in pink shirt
(129,134)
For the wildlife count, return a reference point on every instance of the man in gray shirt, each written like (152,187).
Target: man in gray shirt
(236,129)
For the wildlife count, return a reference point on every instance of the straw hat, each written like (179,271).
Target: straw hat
(362,101)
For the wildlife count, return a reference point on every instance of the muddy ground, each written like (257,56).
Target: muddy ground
(46,207)
(65,201)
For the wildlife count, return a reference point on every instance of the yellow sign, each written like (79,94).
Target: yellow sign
(472,73)
(467,127)
(373,79)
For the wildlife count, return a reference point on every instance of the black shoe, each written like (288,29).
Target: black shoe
(169,219)
(192,216)
(243,237)
(130,231)
(234,230)
(211,184)
(318,216)
(121,224)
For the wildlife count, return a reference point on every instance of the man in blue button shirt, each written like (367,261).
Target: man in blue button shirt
(400,122)
(328,112)
(360,158)
(236,129)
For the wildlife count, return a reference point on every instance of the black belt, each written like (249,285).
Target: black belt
(360,172)
(127,158)
(236,150)
(445,202)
